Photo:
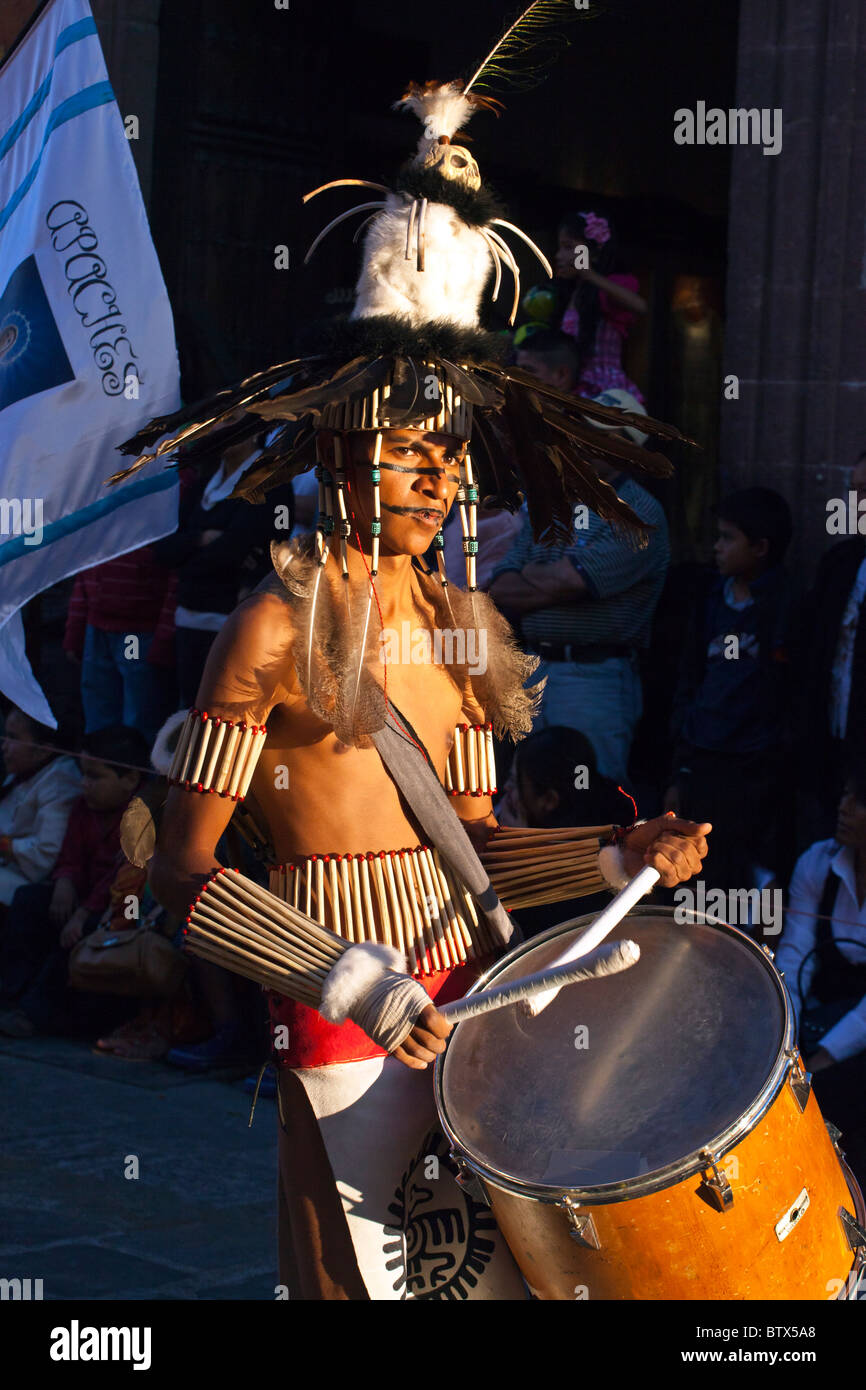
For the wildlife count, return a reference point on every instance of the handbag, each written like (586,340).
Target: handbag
(140,962)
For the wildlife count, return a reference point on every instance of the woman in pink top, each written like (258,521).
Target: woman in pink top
(601,306)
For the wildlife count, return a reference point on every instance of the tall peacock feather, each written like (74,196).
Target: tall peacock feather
(529,46)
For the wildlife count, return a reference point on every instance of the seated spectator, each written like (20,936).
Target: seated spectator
(554,781)
(149,1034)
(733,709)
(127,676)
(46,920)
(823,955)
(35,798)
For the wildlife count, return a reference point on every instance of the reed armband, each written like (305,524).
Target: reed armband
(471,766)
(529,867)
(242,927)
(216,755)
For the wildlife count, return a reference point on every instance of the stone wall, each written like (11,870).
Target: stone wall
(129,34)
(796,299)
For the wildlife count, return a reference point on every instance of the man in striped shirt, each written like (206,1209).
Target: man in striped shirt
(585,605)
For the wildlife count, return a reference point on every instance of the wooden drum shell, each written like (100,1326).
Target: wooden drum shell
(674,1245)
(693,1050)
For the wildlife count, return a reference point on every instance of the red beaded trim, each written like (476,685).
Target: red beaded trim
(215,722)
(290,867)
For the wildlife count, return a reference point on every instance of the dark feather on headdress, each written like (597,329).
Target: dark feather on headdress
(383,334)
(475,207)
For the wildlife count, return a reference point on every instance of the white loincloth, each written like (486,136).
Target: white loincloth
(416,1233)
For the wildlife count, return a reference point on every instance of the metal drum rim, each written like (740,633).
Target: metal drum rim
(858,1265)
(661,1178)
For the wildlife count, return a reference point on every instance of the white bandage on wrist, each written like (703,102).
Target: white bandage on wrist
(369,985)
(611,865)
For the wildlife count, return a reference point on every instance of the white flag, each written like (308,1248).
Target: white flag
(87,350)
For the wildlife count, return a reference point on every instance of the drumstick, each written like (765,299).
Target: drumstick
(604,960)
(610,917)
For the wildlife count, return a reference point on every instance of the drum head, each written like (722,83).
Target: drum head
(622,1076)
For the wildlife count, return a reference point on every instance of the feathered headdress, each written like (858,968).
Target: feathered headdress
(413,351)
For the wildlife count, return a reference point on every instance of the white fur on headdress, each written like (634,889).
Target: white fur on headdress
(443,111)
(452,283)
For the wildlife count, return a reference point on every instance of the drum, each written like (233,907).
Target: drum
(652,1135)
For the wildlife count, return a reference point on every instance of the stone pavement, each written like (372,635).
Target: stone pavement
(199,1221)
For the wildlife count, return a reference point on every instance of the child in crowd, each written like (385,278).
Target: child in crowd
(733,710)
(823,955)
(47,919)
(601,304)
(35,798)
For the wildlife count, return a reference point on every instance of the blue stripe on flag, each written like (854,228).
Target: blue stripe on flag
(26,116)
(76,521)
(81,29)
(73,33)
(96,95)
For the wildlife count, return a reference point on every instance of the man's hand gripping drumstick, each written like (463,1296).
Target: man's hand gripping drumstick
(666,850)
(672,846)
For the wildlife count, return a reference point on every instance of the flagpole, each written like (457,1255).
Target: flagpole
(32,21)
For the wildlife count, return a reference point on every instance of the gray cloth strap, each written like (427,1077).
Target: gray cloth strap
(417,781)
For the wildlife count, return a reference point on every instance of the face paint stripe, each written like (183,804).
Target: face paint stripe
(420,471)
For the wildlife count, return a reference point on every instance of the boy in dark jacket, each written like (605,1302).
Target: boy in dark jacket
(733,710)
(47,919)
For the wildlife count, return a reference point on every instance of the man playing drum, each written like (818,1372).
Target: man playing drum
(339,798)
(347,749)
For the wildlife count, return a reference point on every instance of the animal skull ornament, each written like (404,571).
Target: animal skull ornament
(453,162)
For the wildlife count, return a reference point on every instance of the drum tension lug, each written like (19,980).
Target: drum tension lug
(467,1180)
(854,1233)
(799,1080)
(835,1135)
(581,1223)
(715,1190)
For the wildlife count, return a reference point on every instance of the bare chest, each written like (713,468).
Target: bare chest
(318,795)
